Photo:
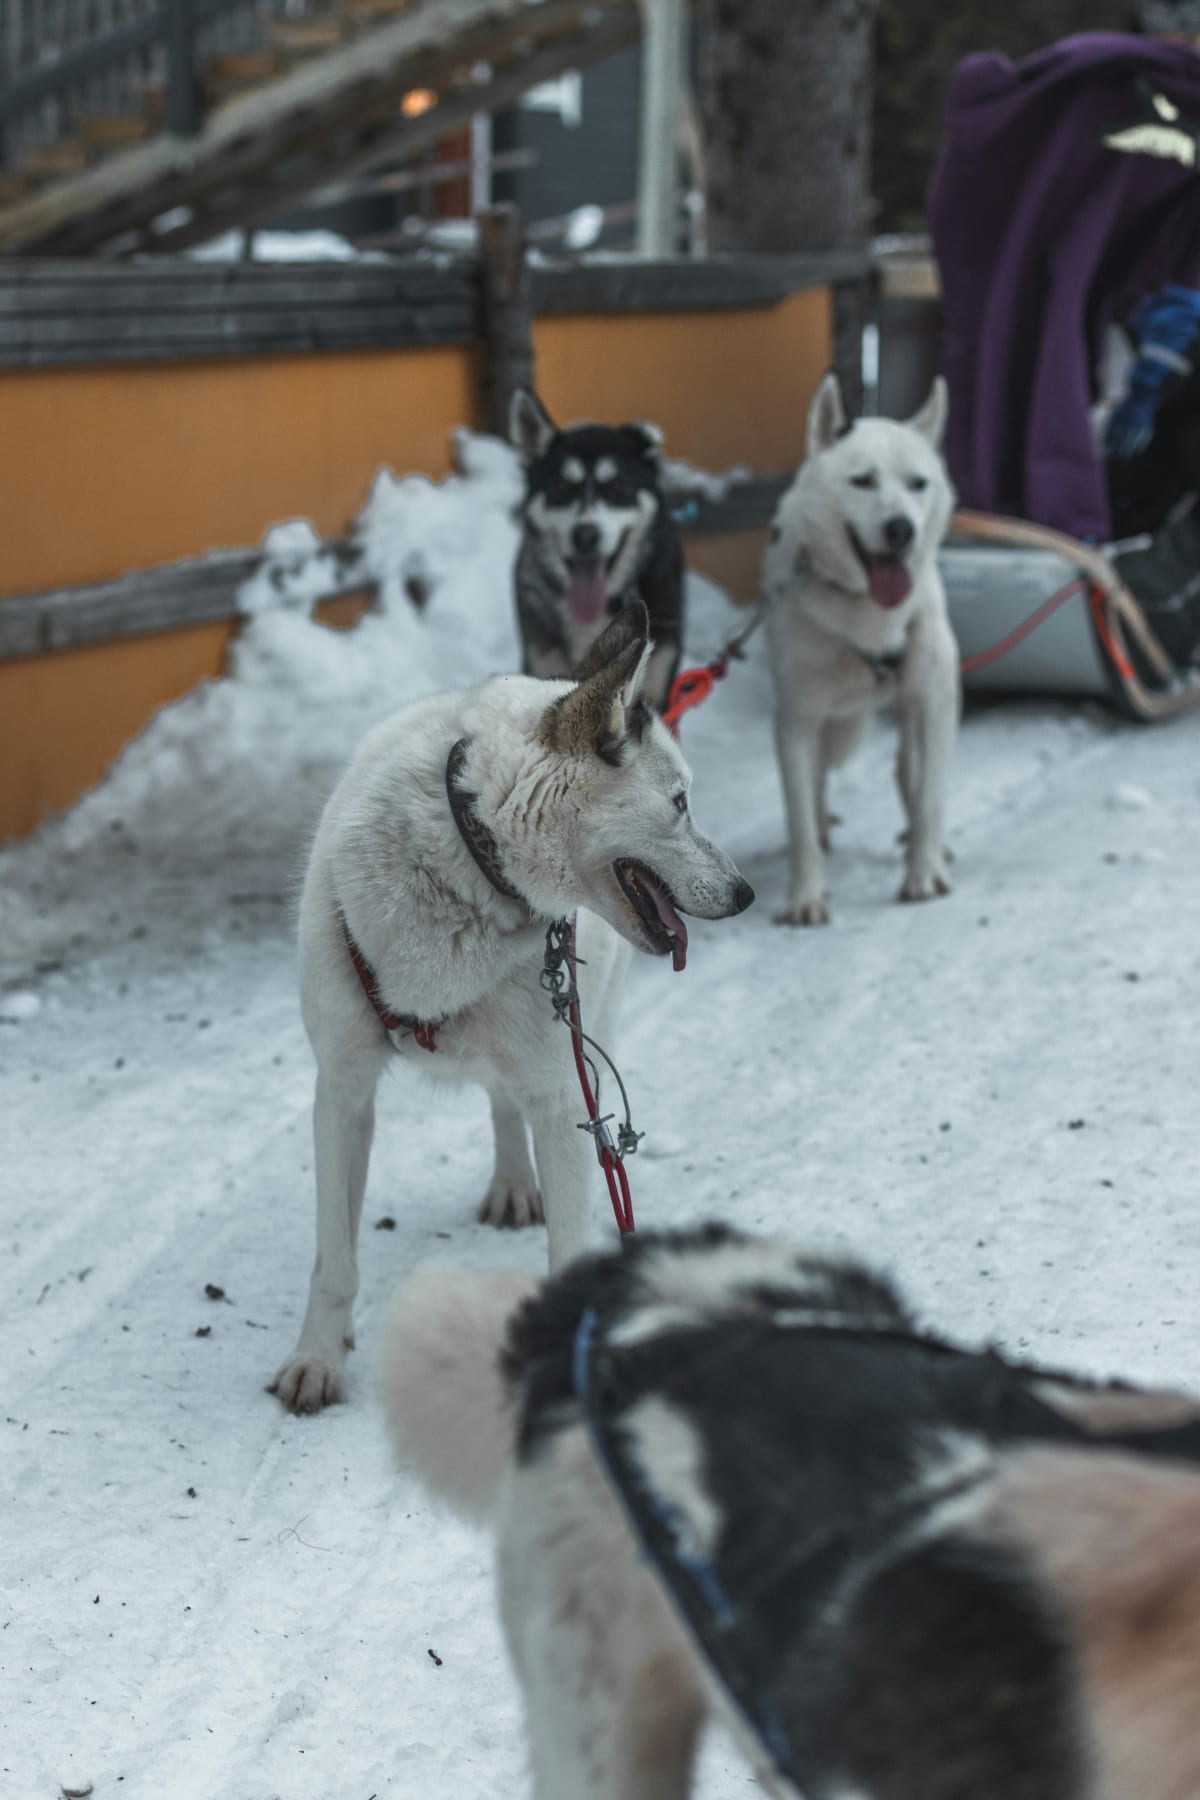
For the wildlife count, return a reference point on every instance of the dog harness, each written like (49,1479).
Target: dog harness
(763,1551)
(486,854)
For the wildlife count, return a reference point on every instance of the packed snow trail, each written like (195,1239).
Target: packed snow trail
(993,1095)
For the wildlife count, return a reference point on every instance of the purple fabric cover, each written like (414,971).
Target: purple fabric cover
(1043,234)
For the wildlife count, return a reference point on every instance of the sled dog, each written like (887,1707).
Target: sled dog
(728,1477)
(463,826)
(856,619)
(596,532)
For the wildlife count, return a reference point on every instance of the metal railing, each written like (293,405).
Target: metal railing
(61,58)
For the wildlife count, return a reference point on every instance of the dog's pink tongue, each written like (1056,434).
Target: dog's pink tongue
(674,924)
(587,593)
(890,581)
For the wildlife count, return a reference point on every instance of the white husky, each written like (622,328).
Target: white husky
(462,827)
(856,619)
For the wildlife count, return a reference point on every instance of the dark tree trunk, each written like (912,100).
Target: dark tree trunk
(785,92)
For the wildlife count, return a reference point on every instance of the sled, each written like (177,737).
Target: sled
(1036,611)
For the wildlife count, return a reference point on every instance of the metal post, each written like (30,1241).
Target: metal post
(183,115)
(664,50)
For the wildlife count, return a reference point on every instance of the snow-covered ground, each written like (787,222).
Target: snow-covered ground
(203,1599)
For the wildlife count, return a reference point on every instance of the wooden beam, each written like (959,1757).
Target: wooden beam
(507,315)
(199,592)
(148,601)
(269,193)
(66,312)
(353,91)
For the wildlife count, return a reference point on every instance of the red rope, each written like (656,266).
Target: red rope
(1116,655)
(690,687)
(982,658)
(610,1159)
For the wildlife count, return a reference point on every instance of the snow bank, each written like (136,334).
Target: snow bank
(283,247)
(239,768)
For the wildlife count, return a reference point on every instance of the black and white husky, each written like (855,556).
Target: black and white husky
(597,532)
(726,1476)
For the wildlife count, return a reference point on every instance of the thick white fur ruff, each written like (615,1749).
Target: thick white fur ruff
(444,1402)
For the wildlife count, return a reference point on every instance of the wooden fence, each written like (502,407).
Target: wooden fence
(157,418)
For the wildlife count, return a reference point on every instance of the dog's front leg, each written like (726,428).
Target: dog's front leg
(798,741)
(512,1197)
(343,1126)
(928,724)
(566,1164)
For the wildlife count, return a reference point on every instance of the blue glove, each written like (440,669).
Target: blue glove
(1166,329)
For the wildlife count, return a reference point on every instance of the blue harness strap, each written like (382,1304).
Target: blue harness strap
(687,1577)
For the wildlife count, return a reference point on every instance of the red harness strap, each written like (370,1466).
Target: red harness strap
(611,1160)
(981,659)
(424,1030)
(691,686)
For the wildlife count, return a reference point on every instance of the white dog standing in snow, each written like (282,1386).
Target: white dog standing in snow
(856,619)
(463,827)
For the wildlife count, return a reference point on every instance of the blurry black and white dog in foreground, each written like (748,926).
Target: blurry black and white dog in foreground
(728,1477)
(597,531)
(856,619)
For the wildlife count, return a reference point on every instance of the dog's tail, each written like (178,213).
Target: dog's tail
(446,1404)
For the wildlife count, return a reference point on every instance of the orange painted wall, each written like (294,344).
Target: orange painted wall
(64,717)
(726,387)
(104,470)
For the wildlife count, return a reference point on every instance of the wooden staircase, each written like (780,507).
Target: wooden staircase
(217,136)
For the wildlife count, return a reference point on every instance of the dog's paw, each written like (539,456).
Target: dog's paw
(511,1205)
(805,912)
(925,884)
(308,1384)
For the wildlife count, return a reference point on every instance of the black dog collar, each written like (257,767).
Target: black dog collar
(472,830)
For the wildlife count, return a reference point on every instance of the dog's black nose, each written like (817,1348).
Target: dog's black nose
(898,532)
(743,896)
(585,539)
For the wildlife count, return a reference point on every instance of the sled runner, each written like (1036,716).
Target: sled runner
(1036,611)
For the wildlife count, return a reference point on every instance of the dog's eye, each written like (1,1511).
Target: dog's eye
(618,491)
(917,484)
(864,481)
(679,802)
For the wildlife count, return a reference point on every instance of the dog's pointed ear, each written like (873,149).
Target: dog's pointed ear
(826,415)
(631,625)
(605,715)
(530,427)
(649,439)
(930,419)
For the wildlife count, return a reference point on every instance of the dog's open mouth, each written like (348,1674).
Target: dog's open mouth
(887,574)
(650,898)
(588,585)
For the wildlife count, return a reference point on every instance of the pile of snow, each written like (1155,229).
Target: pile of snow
(283,247)
(684,478)
(235,774)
